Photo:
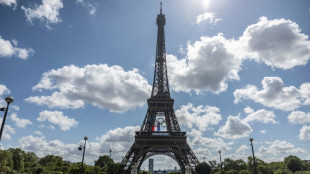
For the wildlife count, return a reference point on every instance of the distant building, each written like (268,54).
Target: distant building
(160,172)
(151,165)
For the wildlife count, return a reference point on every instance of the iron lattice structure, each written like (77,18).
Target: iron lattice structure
(171,142)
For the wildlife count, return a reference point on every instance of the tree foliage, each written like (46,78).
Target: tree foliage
(203,168)
(293,163)
(15,160)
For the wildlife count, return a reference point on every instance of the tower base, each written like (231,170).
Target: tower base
(172,144)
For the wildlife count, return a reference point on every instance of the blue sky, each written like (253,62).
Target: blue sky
(237,69)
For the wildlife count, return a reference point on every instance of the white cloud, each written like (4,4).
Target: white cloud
(304,133)
(234,128)
(42,147)
(213,61)
(118,140)
(305,92)
(22,123)
(51,127)
(209,64)
(243,150)
(12,3)
(202,152)
(7,131)
(214,143)
(47,12)
(209,17)
(200,116)
(279,43)
(279,148)
(58,118)
(38,133)
(100,85)
(248,110)
(261,115)
(4,90)
(299,117)
(263,131)
(8,50)
(274,93)
(91,7)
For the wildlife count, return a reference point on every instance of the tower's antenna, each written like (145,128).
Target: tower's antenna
(161,4)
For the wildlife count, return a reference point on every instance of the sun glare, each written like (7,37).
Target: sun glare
(205,3)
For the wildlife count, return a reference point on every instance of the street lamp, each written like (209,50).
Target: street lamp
(251,140)
(220,160)
(8,100)
(110,152)
(83,148)
(204,159)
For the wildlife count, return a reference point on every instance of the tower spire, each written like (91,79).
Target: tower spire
(160,82)
(161,5)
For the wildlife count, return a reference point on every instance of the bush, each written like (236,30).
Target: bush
(302,172)
(232,172)
(245,172)
(280,171)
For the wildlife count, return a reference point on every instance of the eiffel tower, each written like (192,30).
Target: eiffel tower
(150,140)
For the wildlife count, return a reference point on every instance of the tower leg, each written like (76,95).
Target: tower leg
(134,169)
(188,170)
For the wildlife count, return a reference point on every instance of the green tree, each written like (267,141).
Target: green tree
(31,161)
(264,169)
(232,171)
(103,160)
(105,163)
(52,163)
(293,163)
(6,161)
(245,172)
(258,163)
(240,165)
(18,158)
(203,168)
(276,166)
(282,171)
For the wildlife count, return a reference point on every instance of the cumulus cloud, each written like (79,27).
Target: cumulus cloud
(207,67)
(208,17)
(8,50)
(299,117)
(12,3)
(263,131)
(100,85)
(38,133)
(19,122)
(58,118)
(234,128)
(7,131)
(279,148)
(91,7)
(279,43)
(261,115)
(47,12)
(43,147)
(213,61)
(4,90)
(213,143)
(200,116)
(304,133)
(118,140)
(243,150)
(274,93)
